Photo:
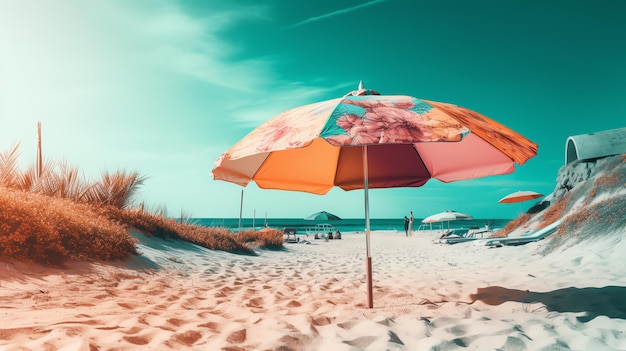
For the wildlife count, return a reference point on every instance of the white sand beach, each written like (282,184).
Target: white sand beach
(312,297)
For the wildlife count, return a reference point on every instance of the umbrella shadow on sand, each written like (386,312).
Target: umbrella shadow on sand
(606,301)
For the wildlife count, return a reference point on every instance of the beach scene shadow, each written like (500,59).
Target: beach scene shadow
(604,301)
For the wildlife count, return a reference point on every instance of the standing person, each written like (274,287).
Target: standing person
(411,223)
(406,226)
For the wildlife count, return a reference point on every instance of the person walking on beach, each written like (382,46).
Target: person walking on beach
(411,223)
(406,226)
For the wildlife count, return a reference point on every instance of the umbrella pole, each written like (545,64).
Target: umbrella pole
(240,210)
(370,298)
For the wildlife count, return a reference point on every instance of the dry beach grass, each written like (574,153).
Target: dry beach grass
(57,215)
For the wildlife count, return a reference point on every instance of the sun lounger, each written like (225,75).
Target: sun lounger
(523,239)
(290,234)
(461,235)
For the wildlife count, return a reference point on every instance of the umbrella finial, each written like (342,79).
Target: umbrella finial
(361,91)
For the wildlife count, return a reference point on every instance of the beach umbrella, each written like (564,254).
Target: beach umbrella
(447,216)
(520,196)
(365,140)
(322,216)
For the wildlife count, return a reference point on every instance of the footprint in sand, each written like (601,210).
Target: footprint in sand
(107,328)
(133,330)
(320,321)
(187,338)
(172,298)
(348,325)
(212,326)
(126,305)
(297,341)
(294,304)
(362,342)
(256,302)
(9,334)
(237,337)
(176,322)
(138,339)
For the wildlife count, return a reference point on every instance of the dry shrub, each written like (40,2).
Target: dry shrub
(591,194)
(58,179)
(268,238)
(214,238)
(601,217)
(8,168)
(612,175)
(61,180)
(56,215)
(114,189)
(554,212)
(512,225)
(51,230)
(593,221)
(608,180)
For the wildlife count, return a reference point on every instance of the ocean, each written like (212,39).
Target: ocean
(344,225)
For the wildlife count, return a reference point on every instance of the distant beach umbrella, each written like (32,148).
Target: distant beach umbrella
(322,216)
(447,216)
(366,140)
(520,196)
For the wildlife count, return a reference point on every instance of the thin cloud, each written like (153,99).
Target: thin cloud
(336,13)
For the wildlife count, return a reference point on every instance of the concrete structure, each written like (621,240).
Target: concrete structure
(587,147)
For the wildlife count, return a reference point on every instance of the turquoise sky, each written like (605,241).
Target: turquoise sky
(164,87)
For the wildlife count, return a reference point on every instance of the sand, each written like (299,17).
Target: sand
(312,297)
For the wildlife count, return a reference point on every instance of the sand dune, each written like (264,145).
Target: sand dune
(312,297)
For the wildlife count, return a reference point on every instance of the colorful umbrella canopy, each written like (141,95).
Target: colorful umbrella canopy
(366,140)
(322,216)
(520,196)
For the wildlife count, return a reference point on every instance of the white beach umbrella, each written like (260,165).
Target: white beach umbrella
(447,216)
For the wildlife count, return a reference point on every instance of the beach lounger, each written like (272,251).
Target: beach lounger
(523,239)
(461,235)
(290,235)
